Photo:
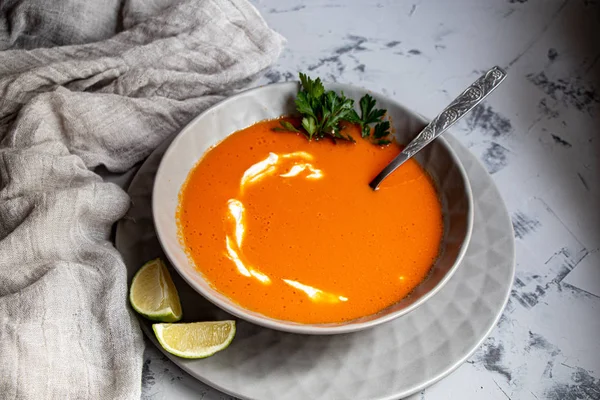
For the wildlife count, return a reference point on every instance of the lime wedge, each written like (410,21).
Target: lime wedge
(153,293)
(195,339)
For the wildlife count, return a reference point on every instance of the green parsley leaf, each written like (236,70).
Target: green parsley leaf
(381,130)
(353,117)
(287,127)
(310,125)
(304,106)
(335,109)
(369,114)
(314,88)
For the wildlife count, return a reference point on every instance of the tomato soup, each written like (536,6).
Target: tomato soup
(290,228)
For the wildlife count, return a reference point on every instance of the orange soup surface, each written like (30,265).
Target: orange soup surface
(290,228)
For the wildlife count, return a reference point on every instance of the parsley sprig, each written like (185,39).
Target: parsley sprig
(323,111)
(371,115)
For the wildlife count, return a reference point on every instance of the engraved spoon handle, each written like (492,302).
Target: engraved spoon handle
(464,103)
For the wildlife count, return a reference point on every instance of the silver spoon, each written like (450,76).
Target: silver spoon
(464,103)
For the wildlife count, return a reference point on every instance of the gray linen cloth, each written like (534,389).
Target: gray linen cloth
(68,109)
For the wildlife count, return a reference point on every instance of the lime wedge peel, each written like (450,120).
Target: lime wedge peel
(153,294)
(195,339)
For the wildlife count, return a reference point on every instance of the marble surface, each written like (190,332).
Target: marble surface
(538,135)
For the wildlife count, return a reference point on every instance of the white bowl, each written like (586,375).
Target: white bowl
(272,101)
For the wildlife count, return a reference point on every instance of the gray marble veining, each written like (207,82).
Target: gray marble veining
(537,136)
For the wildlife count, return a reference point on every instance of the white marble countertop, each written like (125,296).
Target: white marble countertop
(538,135)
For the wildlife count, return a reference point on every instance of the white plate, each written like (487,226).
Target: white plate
(390,361)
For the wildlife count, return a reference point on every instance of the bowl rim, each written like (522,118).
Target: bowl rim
(290,326)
